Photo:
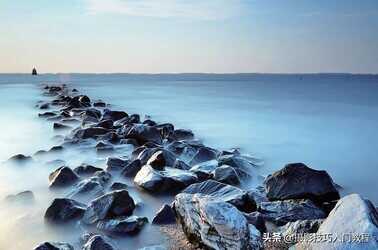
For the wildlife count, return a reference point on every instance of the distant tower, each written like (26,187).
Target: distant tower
(34,72)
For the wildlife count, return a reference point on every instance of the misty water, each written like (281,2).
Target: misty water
(326,121)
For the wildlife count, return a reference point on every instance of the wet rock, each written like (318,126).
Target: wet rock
(282,212)
(123,225)
(113,115)
(227,193)
(109,206)
(98,242)
(212,223)
(169,180)
(205,169)
(182,134)
(131,169)
(20,158)
(118,186)
(352,216)
(116,164)
(143,133)
(86,170)
(90,132)
(62,177)
(108,124)
(226,174)
(64,210)
(24,197)
(165,215)
(202,155)
(54,246)
(297,181)
(242,166)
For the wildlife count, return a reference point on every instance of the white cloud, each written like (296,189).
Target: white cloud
(188,9)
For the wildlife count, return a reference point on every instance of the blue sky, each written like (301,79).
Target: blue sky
(189,36)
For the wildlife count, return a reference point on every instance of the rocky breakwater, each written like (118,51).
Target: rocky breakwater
(210,203)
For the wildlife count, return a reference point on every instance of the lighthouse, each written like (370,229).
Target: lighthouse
(34,72)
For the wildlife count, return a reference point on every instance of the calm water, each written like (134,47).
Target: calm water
(326,121)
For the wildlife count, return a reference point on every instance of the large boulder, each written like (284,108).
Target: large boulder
(353,222)
(168,180)
(227,193)
(98,242)
(212,223)
(282,212)
(64,210)
(54,246)
(122,225)
(297,181)
(109,206)
(165,215)
(63,177)
(143,133)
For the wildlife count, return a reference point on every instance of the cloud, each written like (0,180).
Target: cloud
(187,9)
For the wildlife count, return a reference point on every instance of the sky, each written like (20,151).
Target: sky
(174,36)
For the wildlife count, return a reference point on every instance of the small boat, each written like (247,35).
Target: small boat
(34,72)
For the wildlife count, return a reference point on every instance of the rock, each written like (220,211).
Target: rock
(157,161)
(226,174)
(116,164)
(169,180)
(132,168)
(86,170)
(354,221)
(89,132)
(118,186)
(23,197)
(64,210)
(205,169)
(59,126)
(282,212)
(54,246)
(98,242)
(182,134)
(123,225)
(109,206)
(202,155)
(62,177)
(233,195)
(165,215)
(113,115)
(242,166)
(211,223)
(297,181)
(20,158)
(108,124)
(143,133)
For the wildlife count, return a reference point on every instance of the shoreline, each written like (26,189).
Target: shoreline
(165,159)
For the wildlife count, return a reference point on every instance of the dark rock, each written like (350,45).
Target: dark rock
(90,132)
(63,177)
(282,212)
(98,242)
(122,225)
(116,164)
(24,197)
(143,133)
(226,174)
(297,181)
(165,215)
(131,169)
(169,180)
(202,155)
(233,195)
(118,186)
(54,246)
(109,206)
(86,170)
(64,210)
(113,115)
